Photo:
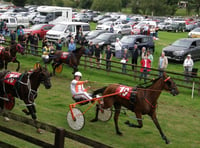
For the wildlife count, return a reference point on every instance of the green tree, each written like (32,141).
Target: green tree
(85,4)
(59,3)
(20,3)
(107,5)
(40,2)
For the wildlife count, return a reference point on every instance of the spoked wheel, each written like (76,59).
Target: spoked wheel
(79,121)
(105,114)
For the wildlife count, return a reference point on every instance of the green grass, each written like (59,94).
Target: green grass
(179,116)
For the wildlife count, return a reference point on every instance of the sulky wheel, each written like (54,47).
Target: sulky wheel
(79,121)
(105,114)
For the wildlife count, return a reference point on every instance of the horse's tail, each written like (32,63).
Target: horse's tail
(98,91)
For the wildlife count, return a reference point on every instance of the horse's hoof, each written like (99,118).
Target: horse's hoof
(119,133)
(127,122)
(25,111)
(39,131)
(94,120)
(167,141)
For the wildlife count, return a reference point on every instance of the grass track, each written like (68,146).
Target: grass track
(179,116)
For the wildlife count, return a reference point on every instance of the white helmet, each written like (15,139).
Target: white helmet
(78,74)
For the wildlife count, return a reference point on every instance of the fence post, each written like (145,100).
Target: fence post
(59,138)
(85,63)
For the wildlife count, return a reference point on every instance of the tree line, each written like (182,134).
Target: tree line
(144,7)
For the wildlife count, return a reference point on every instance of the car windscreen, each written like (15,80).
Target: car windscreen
(127,39)
(59,27)
(182,43)
(196,30)
(93,33)
(103,37)
(36,27)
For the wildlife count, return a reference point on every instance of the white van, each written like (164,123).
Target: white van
(14,22)
(63,29)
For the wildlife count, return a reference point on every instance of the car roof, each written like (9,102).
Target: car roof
(110,33)
(190,39)
(136,36)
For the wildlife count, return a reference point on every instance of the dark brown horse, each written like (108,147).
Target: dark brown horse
(8,54)
(23,86)
(72,59)
(141,100)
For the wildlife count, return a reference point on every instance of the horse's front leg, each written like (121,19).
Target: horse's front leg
(18,66)
(155,120)
(75,69)
(139,120)
(116,116)
(97,113)
(53,67)
(6,65)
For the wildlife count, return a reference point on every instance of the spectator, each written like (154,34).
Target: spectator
(188,65)
(20,31)
(156,32)
(5,29)
(134,54)
(98,54)
(58,45)
(12,37)
(108,58)
(91,49)
(150,56)
(124,60)
(44,42)
(78,35)
(111,28)
(143,52)
(1,26)
(34,45)
(162,64)
(118,48)
(27,41)
(22,39)
(71,46)
(145,69)
(2,39)
(82,40)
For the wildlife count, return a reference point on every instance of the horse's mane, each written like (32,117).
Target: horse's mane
(146,86)
(77,50)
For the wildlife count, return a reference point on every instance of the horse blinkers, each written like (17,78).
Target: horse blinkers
(171,86)
(45,78)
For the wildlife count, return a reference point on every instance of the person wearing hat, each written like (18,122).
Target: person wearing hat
(77,88)
(188,65)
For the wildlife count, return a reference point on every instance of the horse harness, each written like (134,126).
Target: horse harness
(31,93)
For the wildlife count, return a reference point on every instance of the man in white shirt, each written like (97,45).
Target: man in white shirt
(188,65)
(118,48)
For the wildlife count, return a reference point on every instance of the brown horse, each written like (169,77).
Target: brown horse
(141,100)
(8,54)
(23,86)
(72,59)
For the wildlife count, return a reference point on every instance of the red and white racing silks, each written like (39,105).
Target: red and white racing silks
(11,78)
(64,55)
(124,91)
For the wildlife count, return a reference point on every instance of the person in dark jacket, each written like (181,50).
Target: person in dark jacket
(98,54)
(134,54)
(108,58)
(12,37)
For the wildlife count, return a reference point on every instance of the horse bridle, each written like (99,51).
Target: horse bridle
(172,90)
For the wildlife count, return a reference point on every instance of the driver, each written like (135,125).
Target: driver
(77,89)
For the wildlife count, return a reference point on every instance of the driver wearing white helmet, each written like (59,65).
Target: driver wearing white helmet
(77,89)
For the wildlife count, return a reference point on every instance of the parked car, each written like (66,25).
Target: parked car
(94,33)
(123,29)
(162,26)
(105,39)
(182,47)
(81,17)
(104,26)
(39,29)
(128,42)
(195,33)
(176,27)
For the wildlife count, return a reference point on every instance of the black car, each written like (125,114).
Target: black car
(94,33)
(176,27)
(105,39)
(182,47)
(141,40)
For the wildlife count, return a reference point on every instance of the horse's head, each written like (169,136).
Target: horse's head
(44,77)
(19,48)
(170,85)
(82,50)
